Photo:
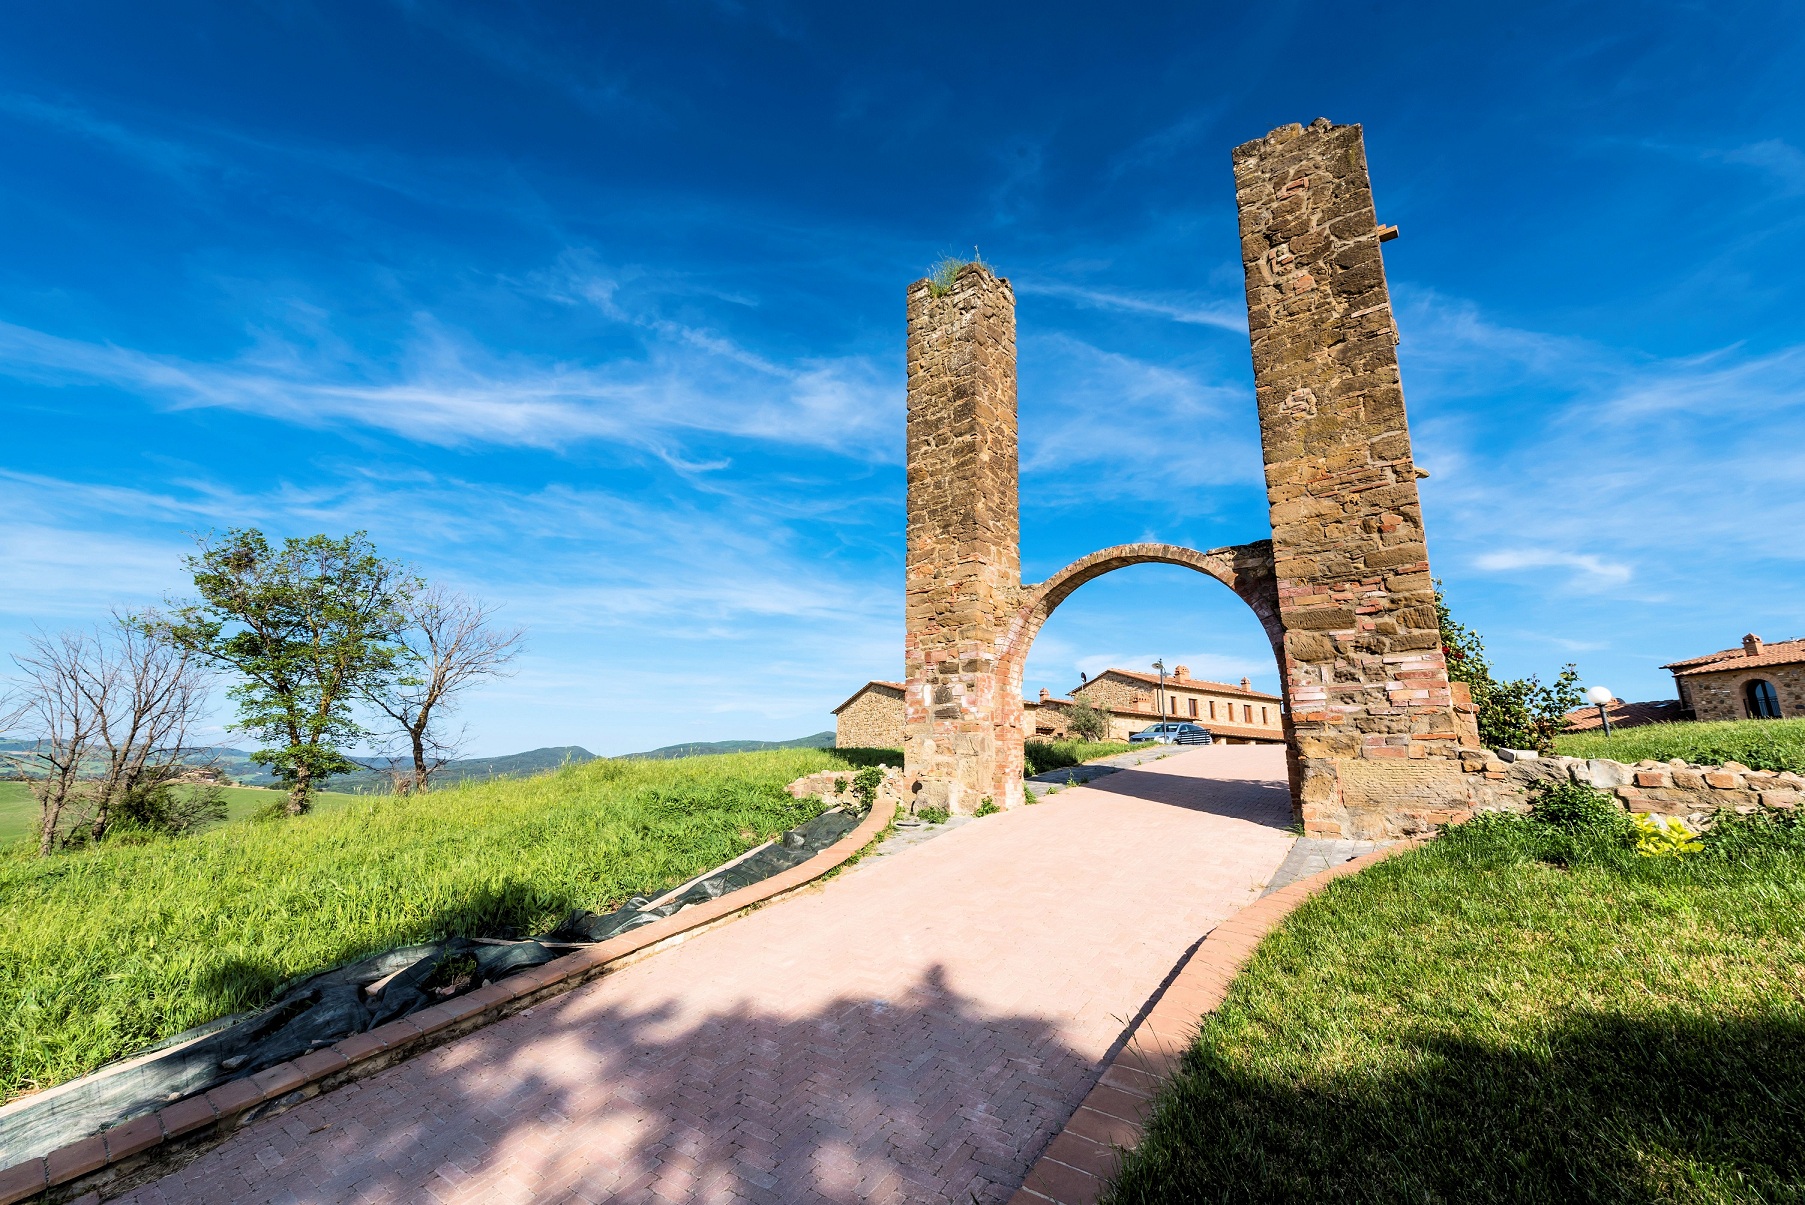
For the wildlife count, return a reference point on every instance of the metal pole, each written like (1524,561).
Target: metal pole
(1604,715)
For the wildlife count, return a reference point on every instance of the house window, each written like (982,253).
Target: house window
(1247,712)
(1212,709)
(1193,708)
(1174,704)
(1263,718)
(1763,703)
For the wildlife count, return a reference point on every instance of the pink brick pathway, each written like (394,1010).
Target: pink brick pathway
(916,1030)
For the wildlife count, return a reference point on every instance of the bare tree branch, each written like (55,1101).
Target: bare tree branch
(451,644)
(110,712)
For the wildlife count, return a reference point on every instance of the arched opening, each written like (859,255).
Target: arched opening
(1245,569)
(1763,701)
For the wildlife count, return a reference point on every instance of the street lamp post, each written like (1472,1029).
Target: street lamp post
(1602,696)
(1160,699)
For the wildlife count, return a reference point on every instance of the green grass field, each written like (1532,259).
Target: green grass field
(1757,744)
(19,811)
(106,950)
(1486,1019)
(1041,756)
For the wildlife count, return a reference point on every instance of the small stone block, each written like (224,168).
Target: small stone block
(1650,778)
(22,1180)
(318,1064)
(396,1033)
(431,1020)
(493,996)
(138,1134)
(1722,780)
(279,1080)
(187,1115)
(359,1046)
(1103,1129)
(62,1166)
(1064,1184)
(1076,1151)
(235,1097)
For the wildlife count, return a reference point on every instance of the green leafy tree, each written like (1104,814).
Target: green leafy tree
(1520,713)
(1086,721)
(307,629)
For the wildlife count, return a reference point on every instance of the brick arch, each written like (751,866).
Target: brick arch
(1247,569)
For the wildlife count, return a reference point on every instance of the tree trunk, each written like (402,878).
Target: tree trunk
(419,759)
(53,808)
(299,795)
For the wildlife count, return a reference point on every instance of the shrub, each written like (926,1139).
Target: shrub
(1578,810)
(1087,721)
(1517,714)
(1664,837)
(987,807)
(865,786)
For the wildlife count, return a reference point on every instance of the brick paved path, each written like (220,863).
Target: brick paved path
(915,1030)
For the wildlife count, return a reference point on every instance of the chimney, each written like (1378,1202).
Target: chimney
(1246,684)
(1751,645)
(1181,671)
(1045,694)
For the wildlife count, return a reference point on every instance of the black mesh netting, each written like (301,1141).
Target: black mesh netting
(324,1008)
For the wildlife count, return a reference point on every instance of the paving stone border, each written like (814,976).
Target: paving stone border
(1078,1162)
(149,1147)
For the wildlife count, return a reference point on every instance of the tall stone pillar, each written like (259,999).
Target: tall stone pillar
(961,735)
(1365,677)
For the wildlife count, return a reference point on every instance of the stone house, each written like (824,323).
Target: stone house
(1757,681)
(1235,714)
(871,719)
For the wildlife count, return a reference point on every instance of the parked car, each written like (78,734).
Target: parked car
(1172,733)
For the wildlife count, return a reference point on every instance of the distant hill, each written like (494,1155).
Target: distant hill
(821,740)
(237,765)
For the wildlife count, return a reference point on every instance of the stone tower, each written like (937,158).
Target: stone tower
(963,562)
(1374,723)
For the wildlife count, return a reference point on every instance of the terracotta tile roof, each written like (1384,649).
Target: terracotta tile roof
(897,686)
(1625,715)
(1187,684)
(1780,652)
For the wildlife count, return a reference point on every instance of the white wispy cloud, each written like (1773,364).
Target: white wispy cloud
(1223,314)
(1589,570)
(445,389)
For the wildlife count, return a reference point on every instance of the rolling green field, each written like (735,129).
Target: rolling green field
(19,811)
(1757,744)
(104,951)
(1502,1017)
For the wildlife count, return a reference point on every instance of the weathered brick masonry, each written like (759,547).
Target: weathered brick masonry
(1362,659)
(962,730)
(1343,588)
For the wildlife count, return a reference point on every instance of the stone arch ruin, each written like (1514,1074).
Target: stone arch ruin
(1343,586)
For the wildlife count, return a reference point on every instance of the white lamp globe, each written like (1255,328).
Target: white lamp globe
(1600,695)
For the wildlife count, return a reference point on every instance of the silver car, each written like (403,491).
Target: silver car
(1172,733)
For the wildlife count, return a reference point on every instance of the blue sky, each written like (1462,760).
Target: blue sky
(595,311)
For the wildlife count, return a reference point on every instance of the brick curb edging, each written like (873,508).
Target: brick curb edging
(148,1147)
(1078,1162)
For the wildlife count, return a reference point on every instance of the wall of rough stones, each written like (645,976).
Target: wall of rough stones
(1363,664)
(1718,694)
(1694,793)
(874,720)
(962,722)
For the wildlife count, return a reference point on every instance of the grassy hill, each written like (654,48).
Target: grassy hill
(19,811)
(820,740)
(104,951)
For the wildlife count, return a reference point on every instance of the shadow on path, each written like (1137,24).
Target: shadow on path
(1261,801)
(590,1099)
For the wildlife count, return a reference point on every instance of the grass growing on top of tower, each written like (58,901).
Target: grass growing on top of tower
(1509,1013)
(1757,744)
(946,270)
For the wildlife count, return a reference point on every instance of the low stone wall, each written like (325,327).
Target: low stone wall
(897,788)
(1694,793)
